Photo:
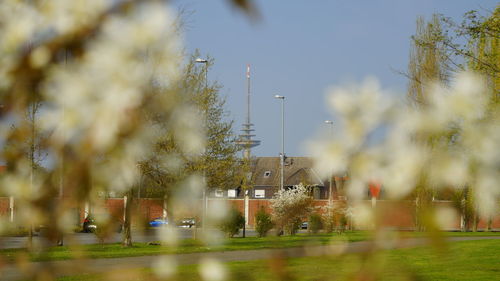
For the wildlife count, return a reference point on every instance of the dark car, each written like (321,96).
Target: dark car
(89,225)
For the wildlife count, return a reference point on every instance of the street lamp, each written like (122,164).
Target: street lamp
(329,122)
(282,154)
(330,192)
(204,61)
(205,197)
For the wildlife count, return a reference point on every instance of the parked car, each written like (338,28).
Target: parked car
(187,222)
(89,225)
(158,222)
(304,225)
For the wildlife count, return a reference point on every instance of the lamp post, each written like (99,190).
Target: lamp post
(330,191)
(204,61)
(11,198)
(330,122)
(205,197)
(282,154)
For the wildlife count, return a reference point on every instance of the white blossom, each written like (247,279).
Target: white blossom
(452,142)
(290,206)
(212,270)
(165,267)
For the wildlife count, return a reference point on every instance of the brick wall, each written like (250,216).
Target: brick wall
(151,208)
(4,206)
(254,206)
(146,208)
(396,214)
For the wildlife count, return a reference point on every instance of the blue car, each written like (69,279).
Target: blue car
(158,222)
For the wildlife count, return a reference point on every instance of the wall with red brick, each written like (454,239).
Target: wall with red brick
(395,214)
(392,214)
(495,223)
(238,204)
(150,208)
(145,208)
(115,207)
(4,206)
(254,206)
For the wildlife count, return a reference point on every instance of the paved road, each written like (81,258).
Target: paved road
(90,238)
(70,267)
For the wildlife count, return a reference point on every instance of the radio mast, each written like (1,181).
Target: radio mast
(245,139)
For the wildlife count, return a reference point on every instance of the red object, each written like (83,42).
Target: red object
(374,188)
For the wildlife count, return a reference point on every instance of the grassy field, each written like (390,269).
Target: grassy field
(465,260)
(115,250)
(191,246)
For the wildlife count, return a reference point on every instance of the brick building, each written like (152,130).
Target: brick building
(265,179)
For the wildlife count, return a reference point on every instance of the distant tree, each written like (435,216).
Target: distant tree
(435,53)
(483,52)
(473,45)
(28,141)
(428,63)
(218,164)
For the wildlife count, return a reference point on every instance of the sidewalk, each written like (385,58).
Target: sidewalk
(72,267)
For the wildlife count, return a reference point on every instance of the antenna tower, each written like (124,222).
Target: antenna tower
(245,139)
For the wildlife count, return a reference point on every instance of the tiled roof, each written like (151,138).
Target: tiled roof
(266,171)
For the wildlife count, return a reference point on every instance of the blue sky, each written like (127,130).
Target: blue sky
(300,48)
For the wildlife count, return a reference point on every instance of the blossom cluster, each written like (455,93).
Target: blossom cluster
(452,142)
(291,206)
(103,72)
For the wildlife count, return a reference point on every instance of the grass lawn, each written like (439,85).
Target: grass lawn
(464,260)
(191,246)
(115,250)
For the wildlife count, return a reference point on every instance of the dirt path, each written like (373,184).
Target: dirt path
(71,267)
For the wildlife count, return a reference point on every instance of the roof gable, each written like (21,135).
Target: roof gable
(266,171)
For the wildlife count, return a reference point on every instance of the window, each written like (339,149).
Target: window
(260,193)
(231,193)
(219,193)
(267,174)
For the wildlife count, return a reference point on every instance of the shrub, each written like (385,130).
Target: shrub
(263,222)
(233,222)
(290,208)
(335,216)
(315,223)
(10,229)
(330,220)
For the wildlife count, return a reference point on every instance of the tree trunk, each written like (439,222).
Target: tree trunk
(127,233)
(32,169)
(30,237)
(11,209)
(463,221)
(417,213)
(475,221)
(60,239)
